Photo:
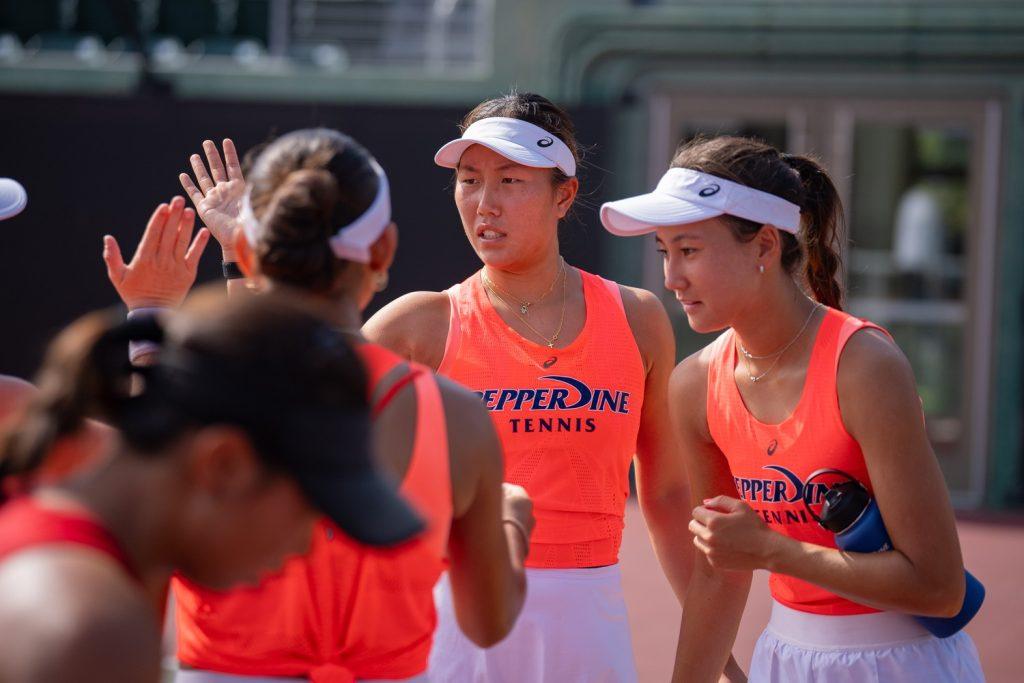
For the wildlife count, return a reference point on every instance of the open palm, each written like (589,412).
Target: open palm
(218,196)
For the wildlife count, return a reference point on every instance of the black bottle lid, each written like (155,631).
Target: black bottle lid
(843,504)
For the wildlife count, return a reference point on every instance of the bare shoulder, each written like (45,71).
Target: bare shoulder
(875,381)
(414,326)
(14,393)
(69,614)
(869,361)
(649,322)
(687,393)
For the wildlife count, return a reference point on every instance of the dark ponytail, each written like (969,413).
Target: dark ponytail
(305,186)
(821,218)
(86,374)
(798,179)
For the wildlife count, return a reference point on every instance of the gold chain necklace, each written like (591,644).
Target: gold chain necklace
(549,341)
(778,354)
(524,306)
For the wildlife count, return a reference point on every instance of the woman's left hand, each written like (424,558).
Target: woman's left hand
(165,262)
(732,535)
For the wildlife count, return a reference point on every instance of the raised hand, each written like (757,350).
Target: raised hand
(218,198)
(163,268)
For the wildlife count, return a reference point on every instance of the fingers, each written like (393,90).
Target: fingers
(184,237)
(112,257)
(190,188)
(704,515)
(195,252)
(699,530)
(231,159)
(169,236)
(202,177)
(150,242)
(213,159)
(724,503)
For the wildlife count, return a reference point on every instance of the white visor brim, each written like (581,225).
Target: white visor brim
(684,195)
(13,198)
(450,154)
(647,212)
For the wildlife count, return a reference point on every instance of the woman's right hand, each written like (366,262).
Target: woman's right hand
(516,505)
(163,268)
(218,198)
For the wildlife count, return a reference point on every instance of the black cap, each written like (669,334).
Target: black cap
(301,425)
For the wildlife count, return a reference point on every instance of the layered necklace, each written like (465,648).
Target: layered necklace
(777,355)
(524,307)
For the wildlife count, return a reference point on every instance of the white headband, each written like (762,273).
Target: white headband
(352,242)
(520,141)
(687,196)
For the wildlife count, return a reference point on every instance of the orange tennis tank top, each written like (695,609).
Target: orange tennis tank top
(343,611)
(567,418)
(771,462)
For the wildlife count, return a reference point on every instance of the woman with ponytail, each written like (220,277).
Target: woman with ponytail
(314,217)
(214,472)
(749,239)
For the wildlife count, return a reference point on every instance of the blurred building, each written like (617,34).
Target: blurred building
(916,107)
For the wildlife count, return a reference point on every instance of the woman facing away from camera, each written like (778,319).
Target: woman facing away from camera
(204,453)
(574,370)
(315,217)
(792,386)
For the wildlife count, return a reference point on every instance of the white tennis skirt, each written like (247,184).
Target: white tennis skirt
(883,647)
(201,676)
(573,629)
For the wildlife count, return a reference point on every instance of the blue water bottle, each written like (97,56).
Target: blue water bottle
(852,515)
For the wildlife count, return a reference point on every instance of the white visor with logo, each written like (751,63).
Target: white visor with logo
(13,198)
(687,196)
(351,242)
(514,139)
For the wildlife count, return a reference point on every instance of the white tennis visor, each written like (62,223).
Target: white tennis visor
(517,140)
(687,196)
(353,241)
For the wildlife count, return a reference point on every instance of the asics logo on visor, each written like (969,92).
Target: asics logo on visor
(709,191)
(545,142)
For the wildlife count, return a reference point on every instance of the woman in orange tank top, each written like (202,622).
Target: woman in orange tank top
(202,454)
(314,215)
(573,370)
(794,385)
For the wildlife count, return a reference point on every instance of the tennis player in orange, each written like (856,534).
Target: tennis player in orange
(573,369)
(794,385)
(204,453)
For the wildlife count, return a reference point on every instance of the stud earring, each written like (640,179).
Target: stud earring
(760,269)
(381,281)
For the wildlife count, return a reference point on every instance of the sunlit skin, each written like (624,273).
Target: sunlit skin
(510,214)
(717,279)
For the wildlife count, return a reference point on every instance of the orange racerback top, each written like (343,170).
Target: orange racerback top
(771,462)
(343,611)
(567,418)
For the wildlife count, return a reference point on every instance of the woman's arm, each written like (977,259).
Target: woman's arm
(715,597)
(486,553)
(923,574)
(661,482)
(68,614)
